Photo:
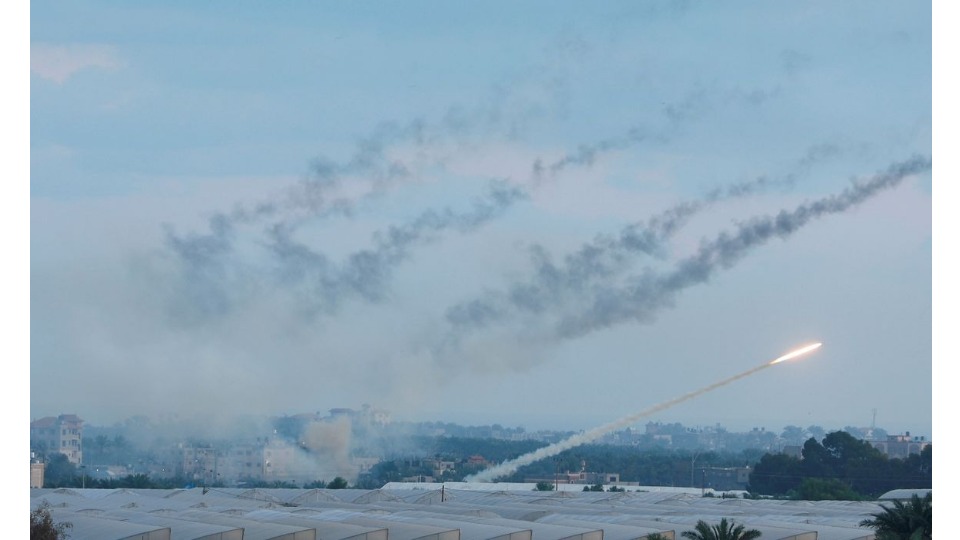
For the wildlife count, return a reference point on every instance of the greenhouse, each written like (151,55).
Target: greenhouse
(451,511)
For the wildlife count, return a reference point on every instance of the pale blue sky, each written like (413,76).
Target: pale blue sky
(189,255)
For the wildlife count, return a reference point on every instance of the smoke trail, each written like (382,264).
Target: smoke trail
(586,154)
(366,272)
(319,196)
(316,196)
(509,467)
(650,292)
(206,259)
(598,262)
(202,259)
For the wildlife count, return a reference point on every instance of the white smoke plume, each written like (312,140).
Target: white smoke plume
(509,467)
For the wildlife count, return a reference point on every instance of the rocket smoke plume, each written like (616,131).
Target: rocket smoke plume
(587,292)
(210,269)
(509,467)
(215,276)
(642,299)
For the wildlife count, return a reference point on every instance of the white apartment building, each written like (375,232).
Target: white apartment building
(63,434)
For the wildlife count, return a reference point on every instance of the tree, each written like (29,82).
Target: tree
(904,521)
(141,481)
(817,460)
(59,472)
(793,434)
(775,474)
(42,526)
(102,442)
(544,486)
(725,530)
(845,448)
(826,489)
(337,483)
(816,432)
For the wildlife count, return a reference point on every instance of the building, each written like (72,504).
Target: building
(61,434)
(199,463)
(273,460)
(36,474)
(901,446)
(725,478)
(582,476)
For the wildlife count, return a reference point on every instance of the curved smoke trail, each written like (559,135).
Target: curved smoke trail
(641,300)
(607,256)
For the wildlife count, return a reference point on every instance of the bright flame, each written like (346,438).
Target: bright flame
(796,353)
(510,466)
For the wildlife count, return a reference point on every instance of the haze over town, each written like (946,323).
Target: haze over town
(550,215)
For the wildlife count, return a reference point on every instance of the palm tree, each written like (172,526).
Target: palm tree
(726,530)
(904,521)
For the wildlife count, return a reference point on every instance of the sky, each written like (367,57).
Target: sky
(539,214)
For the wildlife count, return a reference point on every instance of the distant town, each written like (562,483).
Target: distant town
(366,448)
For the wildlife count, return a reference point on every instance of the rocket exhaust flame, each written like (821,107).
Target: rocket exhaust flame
(509,467)
(799,352)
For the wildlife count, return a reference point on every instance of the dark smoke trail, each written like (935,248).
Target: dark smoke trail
(317,198)
(586,154)
(202,259)
(650,293)
(606,257)
(206,258)
(316,195)
(365,273)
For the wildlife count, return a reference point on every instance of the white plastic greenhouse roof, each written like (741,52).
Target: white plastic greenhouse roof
(903,494)
(424,512)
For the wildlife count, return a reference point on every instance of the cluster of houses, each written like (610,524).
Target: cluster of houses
(280,460)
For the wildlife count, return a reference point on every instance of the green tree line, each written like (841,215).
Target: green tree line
(839,467)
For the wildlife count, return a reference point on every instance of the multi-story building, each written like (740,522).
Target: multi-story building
(63,434)
(242,462)
(280,462)
(901,446)
(199,463)
(268,460)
